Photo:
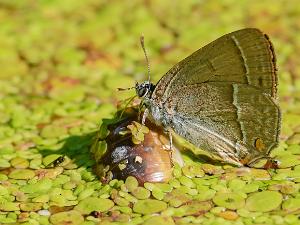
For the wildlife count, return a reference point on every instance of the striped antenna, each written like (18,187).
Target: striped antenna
(146,56)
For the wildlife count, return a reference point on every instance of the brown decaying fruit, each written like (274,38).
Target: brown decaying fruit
(149,161)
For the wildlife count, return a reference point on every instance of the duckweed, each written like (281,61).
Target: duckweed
(58,84)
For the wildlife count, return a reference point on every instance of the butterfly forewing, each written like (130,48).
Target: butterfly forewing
(245,56)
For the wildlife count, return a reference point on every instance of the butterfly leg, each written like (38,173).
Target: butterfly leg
(170,145)
(145,114)
(171,140)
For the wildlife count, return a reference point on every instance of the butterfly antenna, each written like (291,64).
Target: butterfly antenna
(146,56)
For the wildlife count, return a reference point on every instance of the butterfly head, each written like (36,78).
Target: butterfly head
(145,89)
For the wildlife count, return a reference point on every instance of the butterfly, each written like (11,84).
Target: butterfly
(222,98)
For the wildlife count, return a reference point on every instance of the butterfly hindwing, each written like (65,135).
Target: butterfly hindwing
(225,119)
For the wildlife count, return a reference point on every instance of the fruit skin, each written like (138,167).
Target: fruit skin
(148,161)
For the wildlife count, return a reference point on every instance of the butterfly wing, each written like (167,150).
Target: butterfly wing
(233,121)
(245,56)
(222,98)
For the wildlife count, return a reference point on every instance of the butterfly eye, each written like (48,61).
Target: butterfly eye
(142,91)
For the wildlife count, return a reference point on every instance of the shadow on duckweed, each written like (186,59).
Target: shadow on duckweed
(76,148)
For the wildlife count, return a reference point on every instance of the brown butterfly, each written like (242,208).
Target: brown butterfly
(222,98)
